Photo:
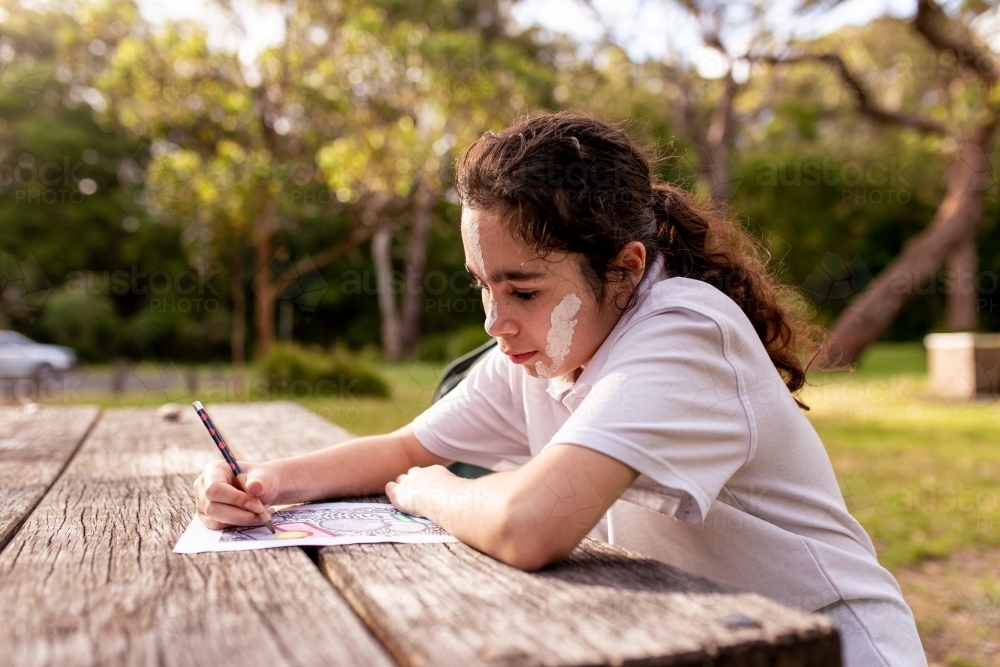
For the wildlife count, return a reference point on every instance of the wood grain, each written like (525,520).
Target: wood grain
(433,604)
(448,604)
(90,578)
(35,446)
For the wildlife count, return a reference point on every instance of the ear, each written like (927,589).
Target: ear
(632,258)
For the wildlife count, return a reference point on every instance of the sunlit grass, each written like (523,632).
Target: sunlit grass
(918,473)
(411,387)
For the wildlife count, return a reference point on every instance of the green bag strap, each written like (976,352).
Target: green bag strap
(454,373)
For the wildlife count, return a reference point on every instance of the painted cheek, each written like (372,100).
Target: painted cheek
(559,338)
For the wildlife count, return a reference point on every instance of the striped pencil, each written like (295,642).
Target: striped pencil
(241,478)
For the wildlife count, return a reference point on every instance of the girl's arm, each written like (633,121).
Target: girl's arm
(360,466)
(527,517)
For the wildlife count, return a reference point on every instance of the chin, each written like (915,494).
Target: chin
(530,370)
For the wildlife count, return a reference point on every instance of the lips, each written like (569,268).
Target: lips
(520,358)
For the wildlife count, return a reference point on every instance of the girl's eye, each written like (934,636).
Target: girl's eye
(523,296)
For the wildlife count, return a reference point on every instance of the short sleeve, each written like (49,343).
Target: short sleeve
(481,421)
(670,403)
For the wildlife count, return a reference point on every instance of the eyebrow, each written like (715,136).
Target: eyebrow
(512,275)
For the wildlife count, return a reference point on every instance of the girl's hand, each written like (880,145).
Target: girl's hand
(222,504)
(416,490)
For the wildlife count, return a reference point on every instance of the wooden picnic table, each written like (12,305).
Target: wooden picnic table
(92,502)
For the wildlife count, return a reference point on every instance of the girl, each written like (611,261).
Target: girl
(641,391)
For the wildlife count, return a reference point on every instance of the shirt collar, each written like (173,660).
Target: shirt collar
(566,391)
(559,387)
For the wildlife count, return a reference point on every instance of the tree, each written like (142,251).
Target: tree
(969,118)
(424,91)
(234,143)
(60,207)
(708,111)
(366,101)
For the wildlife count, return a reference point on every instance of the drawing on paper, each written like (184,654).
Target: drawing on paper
(371,521)
(316,525)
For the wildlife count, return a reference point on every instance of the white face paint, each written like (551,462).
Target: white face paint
(477,250)
(491,317)
(479,264)
(560,335)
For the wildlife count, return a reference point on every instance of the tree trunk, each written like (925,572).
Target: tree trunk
(962,307)
(286,319)
(264,285)
(955,221)
(238,334)
(264,288)
(717,139)
(392,342)
(416,264)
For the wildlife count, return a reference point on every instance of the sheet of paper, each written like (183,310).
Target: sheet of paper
(318,524)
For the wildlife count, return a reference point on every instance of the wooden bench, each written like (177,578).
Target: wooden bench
(91,504)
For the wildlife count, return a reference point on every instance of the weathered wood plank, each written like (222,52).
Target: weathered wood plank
(448,604)
(90,578)
(451,605)
(35,446)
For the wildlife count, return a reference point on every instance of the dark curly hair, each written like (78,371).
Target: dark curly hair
(570,182)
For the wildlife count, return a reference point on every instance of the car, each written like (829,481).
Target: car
(21,357)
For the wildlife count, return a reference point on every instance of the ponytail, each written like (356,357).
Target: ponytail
(699,242)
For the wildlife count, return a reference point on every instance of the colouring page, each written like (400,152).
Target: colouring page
(319,524)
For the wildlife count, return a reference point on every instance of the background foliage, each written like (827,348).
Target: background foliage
(152,183)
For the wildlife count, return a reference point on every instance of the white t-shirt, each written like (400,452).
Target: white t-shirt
(735,484)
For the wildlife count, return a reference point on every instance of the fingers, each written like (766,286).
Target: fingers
(221,516)
(220,503)
(261,481)
(212,474)
(226,494)
(217,471)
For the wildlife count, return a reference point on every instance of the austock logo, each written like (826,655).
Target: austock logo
(416,388)
(834,278)
(716,169)
(973,169)
(300,283)
(24,68)
(23,286)
(151,182)
(152,385)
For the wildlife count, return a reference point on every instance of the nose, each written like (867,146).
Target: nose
(496,325)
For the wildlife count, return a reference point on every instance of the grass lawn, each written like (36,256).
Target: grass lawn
(919,474)
(921,477)
(411,387)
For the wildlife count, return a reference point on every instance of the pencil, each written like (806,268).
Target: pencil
(241,478)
